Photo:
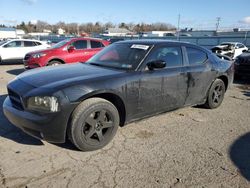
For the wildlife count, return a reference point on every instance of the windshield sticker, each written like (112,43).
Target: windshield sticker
(139,46)
(126,66)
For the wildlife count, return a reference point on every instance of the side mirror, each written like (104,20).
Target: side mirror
(71,49)
(244,51)
(157,64)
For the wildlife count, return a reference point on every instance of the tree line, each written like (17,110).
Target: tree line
(97,27)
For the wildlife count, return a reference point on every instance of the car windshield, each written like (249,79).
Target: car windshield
(120,56)
(60,44)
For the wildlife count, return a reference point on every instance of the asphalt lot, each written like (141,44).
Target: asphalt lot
(190,147)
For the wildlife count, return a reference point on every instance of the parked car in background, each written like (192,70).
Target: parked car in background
(242,65)
(115,39)
(126,81)
(15,50)
(70,50)
(231,49)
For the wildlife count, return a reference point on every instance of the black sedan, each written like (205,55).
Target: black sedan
(126,81)
(242,65)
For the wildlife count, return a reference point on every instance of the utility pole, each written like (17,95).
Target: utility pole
(178,27)
(218,19)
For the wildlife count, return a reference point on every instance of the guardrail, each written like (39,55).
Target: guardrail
(205,41)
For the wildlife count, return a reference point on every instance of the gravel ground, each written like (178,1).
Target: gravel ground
(190,147)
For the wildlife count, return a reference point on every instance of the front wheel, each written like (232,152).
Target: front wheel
(54,63)
(215,94)
(94,123)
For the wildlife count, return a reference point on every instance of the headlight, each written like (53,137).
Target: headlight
(38,55)
(43,104)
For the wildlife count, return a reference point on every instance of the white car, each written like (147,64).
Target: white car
(231,49)
(14,50)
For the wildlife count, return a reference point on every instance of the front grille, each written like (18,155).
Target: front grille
(27,56)
(15,99)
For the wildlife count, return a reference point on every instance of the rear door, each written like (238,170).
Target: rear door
(95,46)
(200,74)
(29,46)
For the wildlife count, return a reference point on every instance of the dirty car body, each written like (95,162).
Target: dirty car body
(138,87)
(242,65)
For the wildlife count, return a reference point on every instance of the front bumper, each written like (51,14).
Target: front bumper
(30,66)
(50,127)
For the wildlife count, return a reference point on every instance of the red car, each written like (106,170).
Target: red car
(67,51)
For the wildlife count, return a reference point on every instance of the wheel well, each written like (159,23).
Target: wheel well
(225,80)
(56,60)
(117,101)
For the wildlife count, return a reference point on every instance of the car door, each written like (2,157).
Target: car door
(200,74)
(12,50)
(95,47)
(163,89)
(77,53)
(29,46)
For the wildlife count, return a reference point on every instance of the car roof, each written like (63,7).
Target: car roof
(161,41)
(151,41)
(33,40)
(86,38)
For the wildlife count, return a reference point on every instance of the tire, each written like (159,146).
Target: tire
(215,94)
(94,124)
(54,63)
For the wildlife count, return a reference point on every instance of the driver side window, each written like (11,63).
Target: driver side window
(13,44)
(171,55)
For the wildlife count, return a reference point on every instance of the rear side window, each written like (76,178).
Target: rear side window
(29,43)
(96,44)
(171,55)
(38,43)
(80,44)
(195,56)
(240,46)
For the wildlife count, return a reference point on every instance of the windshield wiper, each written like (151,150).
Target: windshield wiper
(96,64)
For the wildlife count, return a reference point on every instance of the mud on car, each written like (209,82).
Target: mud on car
(124,82)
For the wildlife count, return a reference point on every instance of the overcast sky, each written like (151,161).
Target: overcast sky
(194,13)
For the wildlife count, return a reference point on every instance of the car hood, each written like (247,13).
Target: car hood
(48,50)
(63,75)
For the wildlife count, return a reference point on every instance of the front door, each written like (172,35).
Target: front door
(78,54)
(12,50)
(163,89)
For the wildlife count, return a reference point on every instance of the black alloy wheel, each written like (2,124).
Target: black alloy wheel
(94,124)
(215,94)
(98,126)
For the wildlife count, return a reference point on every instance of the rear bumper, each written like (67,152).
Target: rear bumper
(50,127)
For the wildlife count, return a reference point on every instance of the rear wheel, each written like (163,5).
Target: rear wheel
(215,94)
(94,123)
(54,63)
